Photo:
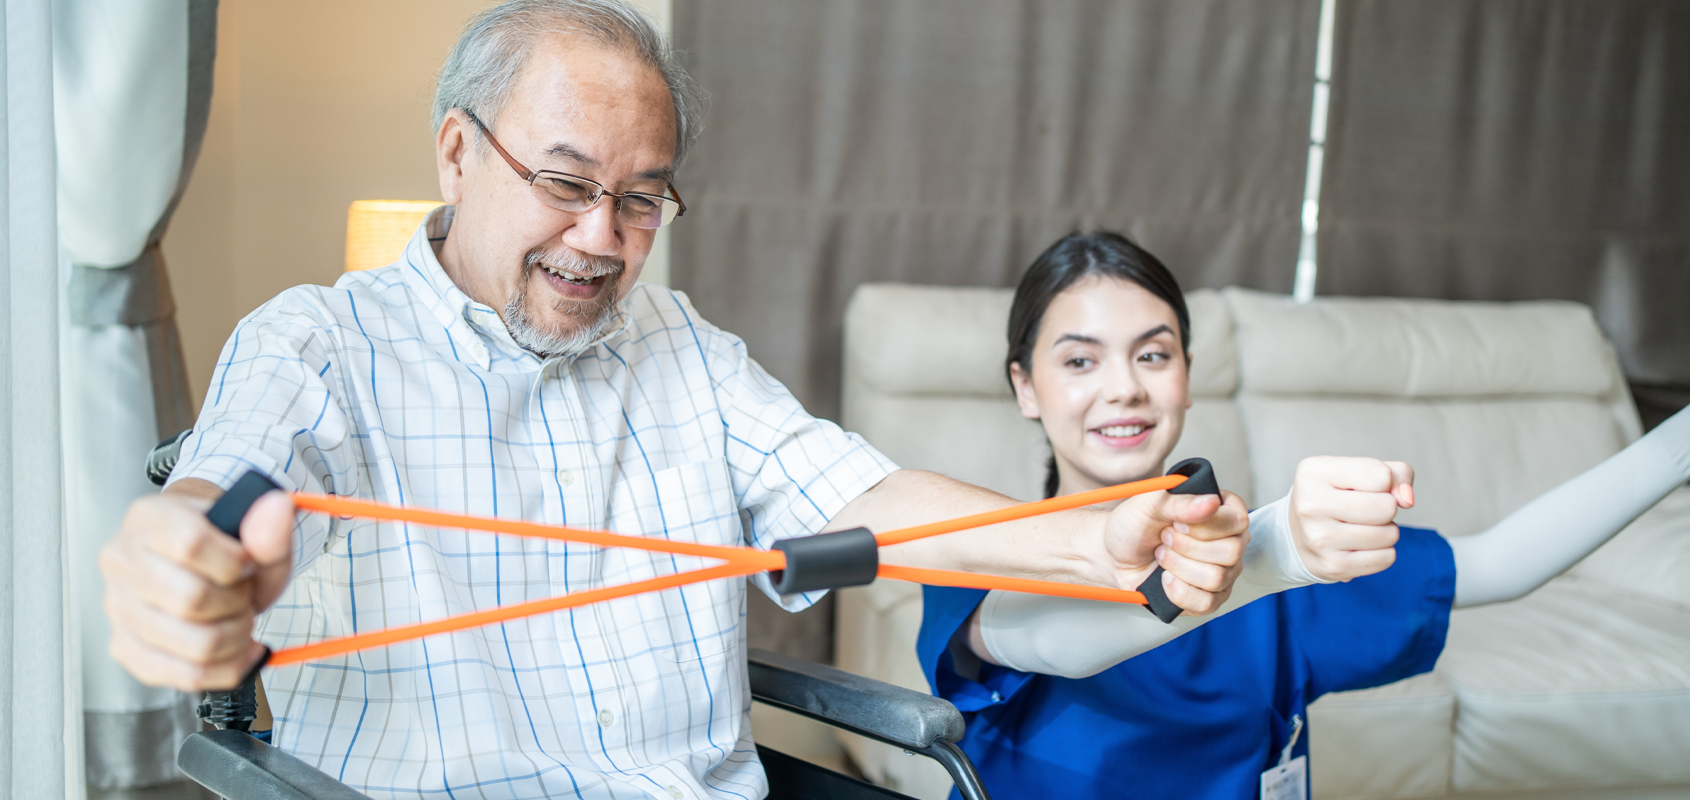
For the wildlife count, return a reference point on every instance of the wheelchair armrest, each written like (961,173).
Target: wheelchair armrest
(239,767)
(875,709)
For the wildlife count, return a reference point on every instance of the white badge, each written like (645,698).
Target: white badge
(1288,781)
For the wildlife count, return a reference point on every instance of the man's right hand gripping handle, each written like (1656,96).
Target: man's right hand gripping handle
(183,585)
(1199,479)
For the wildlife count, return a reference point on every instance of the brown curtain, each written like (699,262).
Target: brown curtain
(1519,149)
(949,141)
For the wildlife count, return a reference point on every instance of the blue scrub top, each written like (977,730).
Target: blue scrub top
(1201,716)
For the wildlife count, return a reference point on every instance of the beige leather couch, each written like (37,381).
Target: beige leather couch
(1580,690)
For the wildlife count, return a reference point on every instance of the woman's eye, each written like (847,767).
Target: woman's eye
(1153,358)
(1078,362)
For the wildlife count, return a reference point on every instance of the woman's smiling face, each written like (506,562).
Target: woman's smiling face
(1110,381)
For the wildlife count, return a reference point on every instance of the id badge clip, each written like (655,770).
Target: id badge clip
(1290,779)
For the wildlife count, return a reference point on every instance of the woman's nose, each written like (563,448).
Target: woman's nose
(1123,387)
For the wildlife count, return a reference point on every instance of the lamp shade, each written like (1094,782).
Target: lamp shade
(377,230)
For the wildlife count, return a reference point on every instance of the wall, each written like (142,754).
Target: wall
(317,103)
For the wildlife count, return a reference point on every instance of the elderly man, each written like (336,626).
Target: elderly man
(510,365)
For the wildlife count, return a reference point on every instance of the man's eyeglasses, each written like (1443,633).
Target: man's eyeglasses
(575,194)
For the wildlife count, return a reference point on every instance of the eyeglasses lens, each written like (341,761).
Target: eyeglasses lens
(640,211)
(566,195)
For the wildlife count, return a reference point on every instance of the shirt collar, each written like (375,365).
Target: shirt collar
(476,330)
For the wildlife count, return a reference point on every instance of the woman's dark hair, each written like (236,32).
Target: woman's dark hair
(1076,256)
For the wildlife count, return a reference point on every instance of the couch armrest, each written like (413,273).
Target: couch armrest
(239,767)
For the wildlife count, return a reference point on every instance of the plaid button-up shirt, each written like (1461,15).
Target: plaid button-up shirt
(395,386)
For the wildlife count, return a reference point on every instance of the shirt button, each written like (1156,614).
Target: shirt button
(605,718)
(675,792)
(566,477)
(997,697)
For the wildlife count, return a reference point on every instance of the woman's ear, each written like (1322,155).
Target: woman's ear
(1025,397)
(1188,380)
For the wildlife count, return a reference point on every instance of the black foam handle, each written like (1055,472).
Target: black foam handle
(237,707)
(827,561)
(231,508)
(1199,479)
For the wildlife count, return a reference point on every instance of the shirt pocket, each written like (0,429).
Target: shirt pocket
(693,502)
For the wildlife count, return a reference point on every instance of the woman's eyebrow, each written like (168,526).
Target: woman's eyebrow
(1153,332)
(1078,337)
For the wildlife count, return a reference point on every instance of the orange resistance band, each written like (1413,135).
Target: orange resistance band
(740,561)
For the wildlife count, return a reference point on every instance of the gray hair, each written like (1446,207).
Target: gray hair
(491,51)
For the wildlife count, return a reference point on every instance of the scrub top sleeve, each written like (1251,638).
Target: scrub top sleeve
(944,610)
(1381,628)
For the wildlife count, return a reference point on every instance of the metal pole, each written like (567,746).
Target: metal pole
(1303,289)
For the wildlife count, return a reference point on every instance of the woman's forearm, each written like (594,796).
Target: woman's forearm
(1551,533)
(1080,638)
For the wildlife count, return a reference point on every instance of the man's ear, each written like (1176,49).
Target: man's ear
(1025,397)
(453,145)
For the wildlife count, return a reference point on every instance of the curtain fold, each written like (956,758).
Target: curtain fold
(1519,149)
(133,93)
(950,141)
(34,714)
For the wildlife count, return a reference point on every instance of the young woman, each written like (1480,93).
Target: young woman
(1098,338)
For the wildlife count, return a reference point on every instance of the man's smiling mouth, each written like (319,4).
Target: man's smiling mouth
(570,277)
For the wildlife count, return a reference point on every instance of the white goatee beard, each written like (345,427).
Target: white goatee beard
(597,315)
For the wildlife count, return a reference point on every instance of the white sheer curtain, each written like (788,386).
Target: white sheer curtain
(34,717)
(131,93)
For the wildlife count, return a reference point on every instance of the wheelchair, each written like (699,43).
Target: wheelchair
(231,762)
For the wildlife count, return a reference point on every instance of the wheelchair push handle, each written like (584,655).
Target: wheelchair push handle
(1199,479)
(237,707)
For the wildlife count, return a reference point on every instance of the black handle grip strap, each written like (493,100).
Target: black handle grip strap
(237,707)
(1199,479)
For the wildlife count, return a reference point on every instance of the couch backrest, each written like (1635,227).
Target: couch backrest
(1493,403)
(924,383)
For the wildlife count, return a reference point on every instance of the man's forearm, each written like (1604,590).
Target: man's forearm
(1064,546)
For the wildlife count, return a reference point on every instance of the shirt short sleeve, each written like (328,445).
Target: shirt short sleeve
(792,472)
(944,610)
(271,408)
(1378,629)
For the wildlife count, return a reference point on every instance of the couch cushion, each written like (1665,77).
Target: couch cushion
(1392,741)
(1577,684)
(905,339)
(1214,430)
(908,339)
(1650,557)
(1475,460)
(1493,403)
(1419,348)
(980,440)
